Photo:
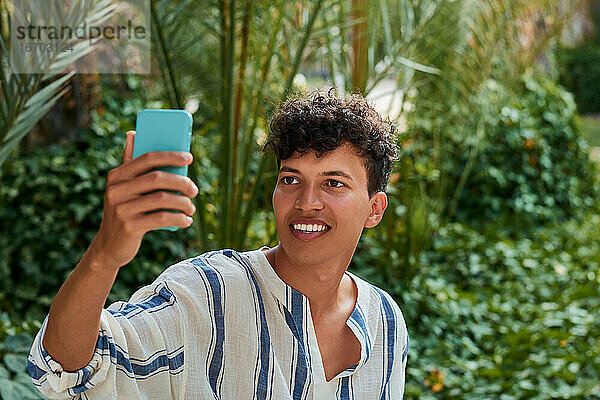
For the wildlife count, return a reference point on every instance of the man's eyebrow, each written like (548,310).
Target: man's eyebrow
(337,173)
(288,169)
(327,173)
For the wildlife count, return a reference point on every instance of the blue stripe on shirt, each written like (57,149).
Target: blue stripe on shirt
(389,323)
(358,319)
(345,388)
(262,386)
(137,367)
(34,371)
(135,370)
(217,313)
(294,322)
(163,298)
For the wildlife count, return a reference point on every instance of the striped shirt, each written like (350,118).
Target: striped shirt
(223,325)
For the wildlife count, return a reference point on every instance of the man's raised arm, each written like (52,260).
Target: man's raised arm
(132,190)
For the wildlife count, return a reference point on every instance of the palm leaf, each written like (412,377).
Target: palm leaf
(36,107)
(27,98)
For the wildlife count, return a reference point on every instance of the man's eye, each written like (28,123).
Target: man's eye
(288,180)
(334,183)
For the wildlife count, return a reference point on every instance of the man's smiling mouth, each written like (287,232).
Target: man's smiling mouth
(308,231)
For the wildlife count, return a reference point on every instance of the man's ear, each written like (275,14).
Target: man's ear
(378,206)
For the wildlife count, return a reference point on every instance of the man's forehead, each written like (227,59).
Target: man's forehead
(342,161)
(345,152)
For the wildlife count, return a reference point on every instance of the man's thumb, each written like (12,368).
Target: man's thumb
(128,151)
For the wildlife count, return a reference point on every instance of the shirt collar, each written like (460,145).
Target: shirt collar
(364,318)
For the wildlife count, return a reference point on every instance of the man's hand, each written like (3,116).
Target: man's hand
(74,317)
(129,198)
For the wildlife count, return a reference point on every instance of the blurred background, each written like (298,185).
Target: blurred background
(490,243)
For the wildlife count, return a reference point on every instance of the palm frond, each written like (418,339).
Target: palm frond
(26,98)
(36,107)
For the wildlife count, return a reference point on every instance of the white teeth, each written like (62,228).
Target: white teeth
(309,227)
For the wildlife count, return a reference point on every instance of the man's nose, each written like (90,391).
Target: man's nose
(309,199)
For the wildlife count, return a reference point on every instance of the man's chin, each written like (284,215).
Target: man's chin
(305,251)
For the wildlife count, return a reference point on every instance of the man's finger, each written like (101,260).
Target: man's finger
(156,180)
(154,159)
(159,200)
(128,151)
(161,219)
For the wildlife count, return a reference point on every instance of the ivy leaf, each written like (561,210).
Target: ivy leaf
(15,363)
(20,343)
(15,390)
(27,387)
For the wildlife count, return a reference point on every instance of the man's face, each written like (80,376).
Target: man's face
(322,205)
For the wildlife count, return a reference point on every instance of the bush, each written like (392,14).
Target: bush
(530,163)
(533,162)
(51,206)
(495,317)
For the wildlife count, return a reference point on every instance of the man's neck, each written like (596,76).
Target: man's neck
(329,290)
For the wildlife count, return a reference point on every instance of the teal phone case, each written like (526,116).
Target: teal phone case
(163,130)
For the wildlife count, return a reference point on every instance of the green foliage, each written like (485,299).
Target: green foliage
(51,204)
(491,316)
(15,342)
(578,66)
(494,310)
(591,130)
(532,161)
(527,162)
(25,98)
(580,74)
(477,44)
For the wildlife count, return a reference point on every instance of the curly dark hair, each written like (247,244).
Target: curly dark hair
(322,122)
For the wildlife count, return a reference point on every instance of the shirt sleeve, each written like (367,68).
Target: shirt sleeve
(139,352)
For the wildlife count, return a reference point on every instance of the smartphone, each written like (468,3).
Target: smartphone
(163,130)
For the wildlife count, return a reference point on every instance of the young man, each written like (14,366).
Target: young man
(287,322)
